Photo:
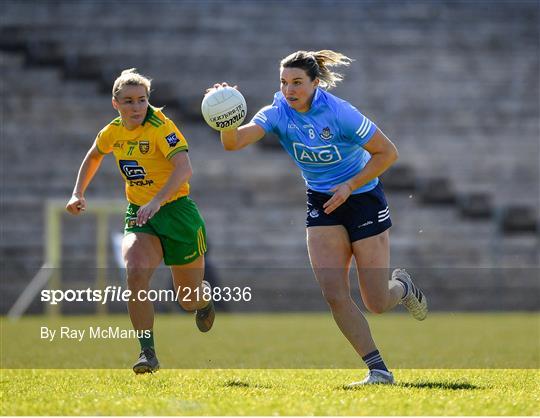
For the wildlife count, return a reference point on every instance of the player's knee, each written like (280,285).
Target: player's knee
(138,275)
(376,306)
(135,261)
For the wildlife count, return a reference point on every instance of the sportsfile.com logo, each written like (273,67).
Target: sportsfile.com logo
(325,154)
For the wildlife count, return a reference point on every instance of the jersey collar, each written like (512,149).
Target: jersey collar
(149,113)
(316,102)
(317,99)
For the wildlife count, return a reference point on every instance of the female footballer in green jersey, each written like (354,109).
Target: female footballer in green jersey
(162,222)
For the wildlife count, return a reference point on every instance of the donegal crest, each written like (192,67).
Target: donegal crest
(144,146)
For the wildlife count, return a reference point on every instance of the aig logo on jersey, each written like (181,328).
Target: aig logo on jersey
(326,154)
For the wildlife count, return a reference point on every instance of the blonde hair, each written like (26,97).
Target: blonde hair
(131,77)
(316,63)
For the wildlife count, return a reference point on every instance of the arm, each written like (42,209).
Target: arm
(235,139)
(181,173)
(383,154)
(88,169)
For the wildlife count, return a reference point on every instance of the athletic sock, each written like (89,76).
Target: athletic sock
(405,287)
(147,342)
(374,361)
(206,308)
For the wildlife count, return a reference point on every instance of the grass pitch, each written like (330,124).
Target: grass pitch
(286,364)
(268,392)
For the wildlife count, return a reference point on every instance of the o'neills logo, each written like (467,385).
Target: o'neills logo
(230,117)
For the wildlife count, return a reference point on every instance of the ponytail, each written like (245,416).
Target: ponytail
(316,63)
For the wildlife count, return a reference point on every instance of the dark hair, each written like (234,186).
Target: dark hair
(316,63)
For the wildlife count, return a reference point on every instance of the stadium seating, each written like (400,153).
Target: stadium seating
(454,85)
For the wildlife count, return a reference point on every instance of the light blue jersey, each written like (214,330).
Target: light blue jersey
(325,142)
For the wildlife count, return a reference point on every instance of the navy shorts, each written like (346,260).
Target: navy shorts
(363,215)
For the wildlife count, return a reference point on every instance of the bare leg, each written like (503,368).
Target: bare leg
(189,278)
(330,254)
(372,262)
(142,254)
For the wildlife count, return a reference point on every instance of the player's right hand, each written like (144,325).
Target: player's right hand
(76,205)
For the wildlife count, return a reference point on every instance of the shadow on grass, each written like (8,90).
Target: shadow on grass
(440,385)
(425,385)
(236,383)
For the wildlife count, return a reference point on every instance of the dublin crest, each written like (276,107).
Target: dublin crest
(326,134)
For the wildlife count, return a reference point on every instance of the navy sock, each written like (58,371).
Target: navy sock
(374,361)
(147,342)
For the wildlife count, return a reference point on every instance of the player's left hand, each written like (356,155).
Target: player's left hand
(145,213)
(341,194)
(218,86)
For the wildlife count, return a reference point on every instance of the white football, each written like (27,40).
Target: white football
(224,108)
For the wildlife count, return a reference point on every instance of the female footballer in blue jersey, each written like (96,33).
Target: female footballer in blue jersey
(341,153)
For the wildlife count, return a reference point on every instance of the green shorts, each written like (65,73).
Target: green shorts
(178,225)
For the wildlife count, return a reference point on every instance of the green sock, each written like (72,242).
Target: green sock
(207,307)
(147,342)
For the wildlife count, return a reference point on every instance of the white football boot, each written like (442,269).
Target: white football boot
(415,301)
(374,377)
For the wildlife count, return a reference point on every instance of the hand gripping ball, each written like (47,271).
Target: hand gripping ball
(224,108)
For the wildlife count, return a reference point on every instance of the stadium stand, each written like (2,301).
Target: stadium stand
(454,84)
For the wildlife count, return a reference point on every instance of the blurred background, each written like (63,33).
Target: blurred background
(455,84)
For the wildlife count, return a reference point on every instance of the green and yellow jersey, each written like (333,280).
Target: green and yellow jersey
(144,154)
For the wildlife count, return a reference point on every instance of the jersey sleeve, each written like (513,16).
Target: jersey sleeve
(104,142)
(171,141)
(267,118)
(355,125)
